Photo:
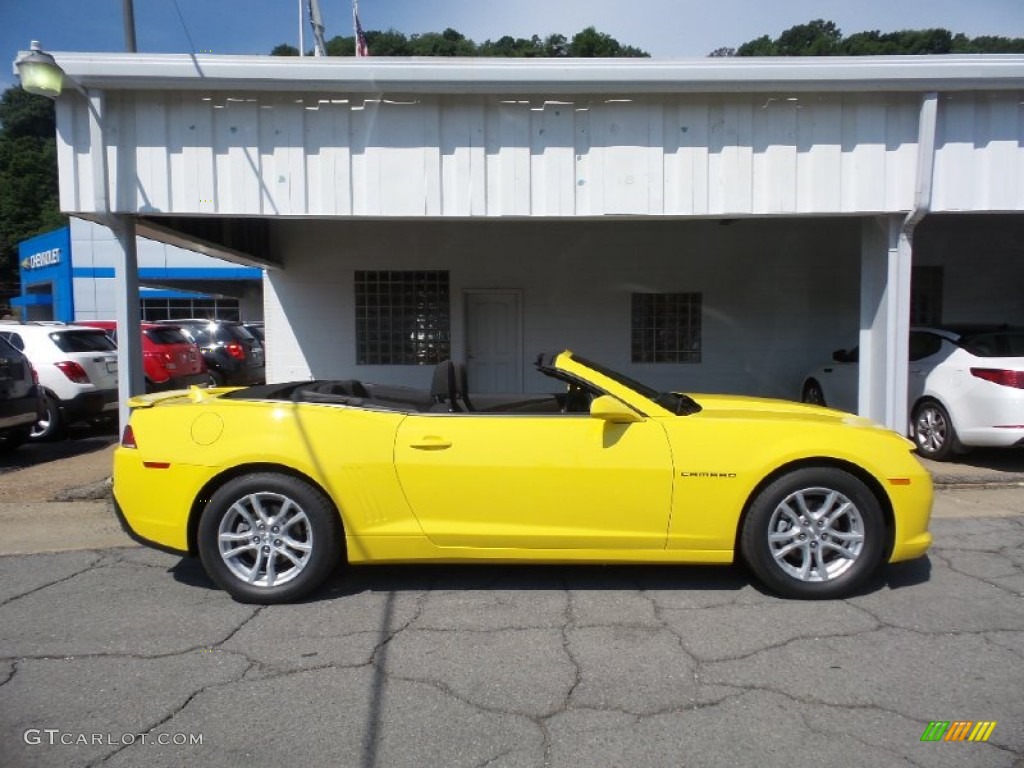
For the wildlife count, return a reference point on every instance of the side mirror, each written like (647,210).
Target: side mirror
(839,356)
(607,408)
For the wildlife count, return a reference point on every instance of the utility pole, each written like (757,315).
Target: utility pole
(128,12)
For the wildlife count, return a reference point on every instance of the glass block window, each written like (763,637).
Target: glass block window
(402,318)
(926,296)
(666,328)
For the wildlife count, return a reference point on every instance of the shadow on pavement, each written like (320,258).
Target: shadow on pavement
(78,442)
(349,580)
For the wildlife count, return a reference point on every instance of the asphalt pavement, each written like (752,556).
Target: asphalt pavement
(123,656)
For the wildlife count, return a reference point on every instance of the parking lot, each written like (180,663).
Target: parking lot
(116,655)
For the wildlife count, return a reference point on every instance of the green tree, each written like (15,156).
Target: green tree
(590,43)
(451,42)
(817,38)
(824,38)
(29,202)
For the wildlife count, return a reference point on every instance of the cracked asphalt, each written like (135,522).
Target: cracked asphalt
(514,666)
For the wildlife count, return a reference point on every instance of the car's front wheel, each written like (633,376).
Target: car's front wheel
(814,533)
(269,538)
(933,431)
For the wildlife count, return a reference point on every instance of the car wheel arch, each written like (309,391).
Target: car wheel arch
(824,462)
(219,480)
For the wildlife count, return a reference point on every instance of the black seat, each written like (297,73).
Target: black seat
(444,390)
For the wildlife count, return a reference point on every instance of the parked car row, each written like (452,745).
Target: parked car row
(54,374)
(965,388)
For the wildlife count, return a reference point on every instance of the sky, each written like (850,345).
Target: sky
(668,29)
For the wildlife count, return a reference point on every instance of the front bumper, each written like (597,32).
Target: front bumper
(912,511)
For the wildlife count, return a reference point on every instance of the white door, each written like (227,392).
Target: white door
(494,348)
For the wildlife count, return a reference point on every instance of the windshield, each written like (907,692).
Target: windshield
(670,401)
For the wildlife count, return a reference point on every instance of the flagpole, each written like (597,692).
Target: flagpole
(302,33)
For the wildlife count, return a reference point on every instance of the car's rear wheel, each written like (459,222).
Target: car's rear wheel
(813,393)
(269,538)
(50,427)
(815,533)
(214,379)
(933,431)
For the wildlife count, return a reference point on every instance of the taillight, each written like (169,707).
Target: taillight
(1000,376)
(73,371)
(235,349)
(35,376)
(128,438)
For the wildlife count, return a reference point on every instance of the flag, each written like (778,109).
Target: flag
(361,48)
(316,21)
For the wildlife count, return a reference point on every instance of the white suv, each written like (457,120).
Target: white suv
(77,369)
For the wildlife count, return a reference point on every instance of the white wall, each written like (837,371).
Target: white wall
(778,296)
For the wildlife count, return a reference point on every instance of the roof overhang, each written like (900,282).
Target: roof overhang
(373,75)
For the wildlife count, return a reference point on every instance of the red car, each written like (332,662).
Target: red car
(169,359)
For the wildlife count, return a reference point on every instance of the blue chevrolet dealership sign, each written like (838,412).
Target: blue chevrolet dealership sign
(46,287)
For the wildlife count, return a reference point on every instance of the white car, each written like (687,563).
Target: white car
(966,388)
(77,369)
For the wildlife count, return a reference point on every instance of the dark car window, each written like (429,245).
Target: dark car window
(15,341)
(233,333)
(923,345)
(1001,344)
(83,341)
(166,336)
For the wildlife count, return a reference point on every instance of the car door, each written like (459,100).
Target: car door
(559,481)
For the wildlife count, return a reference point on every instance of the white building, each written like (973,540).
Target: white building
(720,224)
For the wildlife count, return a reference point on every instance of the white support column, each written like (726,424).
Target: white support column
(130,378)
(884,321)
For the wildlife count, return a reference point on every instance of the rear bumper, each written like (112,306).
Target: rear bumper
(139,538)
(89,405)
(155,502)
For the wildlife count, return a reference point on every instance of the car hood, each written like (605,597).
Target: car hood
(769,409)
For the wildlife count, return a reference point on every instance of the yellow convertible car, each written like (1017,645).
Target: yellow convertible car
(274,485)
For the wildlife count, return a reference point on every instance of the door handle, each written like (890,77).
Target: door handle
(431,443)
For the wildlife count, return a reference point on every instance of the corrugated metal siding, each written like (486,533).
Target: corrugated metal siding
(979,152)
(681,155)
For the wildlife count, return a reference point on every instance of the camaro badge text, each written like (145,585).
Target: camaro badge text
(708,474)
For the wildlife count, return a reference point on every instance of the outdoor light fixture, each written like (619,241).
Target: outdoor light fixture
(40,73)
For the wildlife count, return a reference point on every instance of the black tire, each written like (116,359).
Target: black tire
(214,378)
(813,393)
(932,431)
(51,426)
(315,524)
(776,514)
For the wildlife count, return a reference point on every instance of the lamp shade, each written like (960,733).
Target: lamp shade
(39,73)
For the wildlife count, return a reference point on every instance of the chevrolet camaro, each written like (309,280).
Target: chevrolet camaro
(273,486)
